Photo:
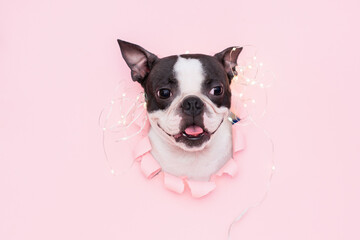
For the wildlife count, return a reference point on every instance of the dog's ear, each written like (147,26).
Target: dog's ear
(139,60)
(228,58)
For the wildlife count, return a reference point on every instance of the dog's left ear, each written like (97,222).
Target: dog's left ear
(228,58)
(139,60)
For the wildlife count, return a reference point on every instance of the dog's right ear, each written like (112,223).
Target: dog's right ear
(228,58)
(139,60)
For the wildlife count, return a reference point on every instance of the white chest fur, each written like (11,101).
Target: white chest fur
(199,165)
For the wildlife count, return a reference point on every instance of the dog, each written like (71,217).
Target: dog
(188,99)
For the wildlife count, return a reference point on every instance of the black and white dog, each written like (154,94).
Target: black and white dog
(188,101)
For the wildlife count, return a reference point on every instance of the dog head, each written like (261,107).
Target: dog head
(188,96)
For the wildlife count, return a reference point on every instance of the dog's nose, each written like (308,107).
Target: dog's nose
(192,106)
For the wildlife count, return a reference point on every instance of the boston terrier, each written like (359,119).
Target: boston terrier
(188,100)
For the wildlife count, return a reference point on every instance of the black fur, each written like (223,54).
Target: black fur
(161,76)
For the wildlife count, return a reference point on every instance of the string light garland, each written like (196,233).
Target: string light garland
(249,76)
(130,110)
(241,78)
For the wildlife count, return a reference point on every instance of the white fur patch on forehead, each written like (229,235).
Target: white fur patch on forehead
(190,75)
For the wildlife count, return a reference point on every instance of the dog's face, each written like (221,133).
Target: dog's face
(188,96)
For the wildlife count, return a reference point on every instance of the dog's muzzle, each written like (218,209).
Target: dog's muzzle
(192,106)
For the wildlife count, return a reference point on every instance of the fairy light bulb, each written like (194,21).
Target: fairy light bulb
(187,52)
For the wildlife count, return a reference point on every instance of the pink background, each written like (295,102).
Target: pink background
(59,64)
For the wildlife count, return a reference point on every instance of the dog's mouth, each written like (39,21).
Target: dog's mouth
(192,135)
(192,132)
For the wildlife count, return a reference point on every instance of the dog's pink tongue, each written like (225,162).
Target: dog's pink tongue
(194,130)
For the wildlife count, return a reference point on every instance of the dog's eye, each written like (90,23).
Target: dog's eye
(164,93)
(218,90)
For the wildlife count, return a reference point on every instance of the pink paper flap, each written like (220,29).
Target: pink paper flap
(173,183)
(199,189)
(142,147)
(238,138)
(230,168)
(149,166)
